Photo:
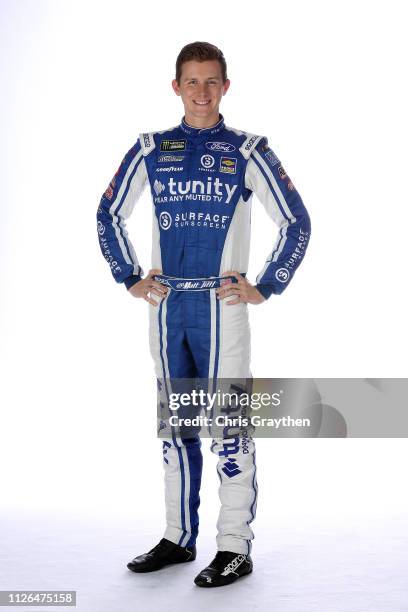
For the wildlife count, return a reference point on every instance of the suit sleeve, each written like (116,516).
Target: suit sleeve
(116,205)
(266,177)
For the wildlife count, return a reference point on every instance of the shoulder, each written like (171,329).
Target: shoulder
(149,140)
(247,141)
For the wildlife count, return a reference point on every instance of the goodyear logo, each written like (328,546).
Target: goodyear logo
(228,165)
(173,145)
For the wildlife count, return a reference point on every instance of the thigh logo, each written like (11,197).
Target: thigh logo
(231,468)
(166,446)
(229,448)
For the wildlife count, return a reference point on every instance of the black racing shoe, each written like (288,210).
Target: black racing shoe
(165,553)
(225,568)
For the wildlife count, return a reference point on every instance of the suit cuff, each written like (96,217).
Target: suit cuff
(132,280)
(266,290)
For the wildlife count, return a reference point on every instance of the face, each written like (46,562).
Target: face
(201,89)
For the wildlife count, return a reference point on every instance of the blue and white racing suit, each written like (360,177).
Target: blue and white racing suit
(201,183)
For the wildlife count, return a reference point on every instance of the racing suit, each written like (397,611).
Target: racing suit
(201,183)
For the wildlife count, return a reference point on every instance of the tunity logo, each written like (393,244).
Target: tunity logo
(158,187)
(101,228)
(211,188)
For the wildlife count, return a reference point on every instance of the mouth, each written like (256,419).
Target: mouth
(202,102)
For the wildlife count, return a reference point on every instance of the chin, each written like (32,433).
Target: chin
(203,109)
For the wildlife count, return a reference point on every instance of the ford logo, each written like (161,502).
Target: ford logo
(220,146)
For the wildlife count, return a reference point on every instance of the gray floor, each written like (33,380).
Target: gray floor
(352,566)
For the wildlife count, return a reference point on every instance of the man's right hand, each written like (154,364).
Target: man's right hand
(147,286)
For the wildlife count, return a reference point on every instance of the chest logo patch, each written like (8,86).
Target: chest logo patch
(220,146)
(228,165)
(207,161)
(169,158)
(173,145)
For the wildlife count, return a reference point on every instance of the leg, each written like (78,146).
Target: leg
(222,352)
(238,493)
(182,456)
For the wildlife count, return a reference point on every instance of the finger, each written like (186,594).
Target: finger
(240,284)
(228,287)
(150,300)
(230,290)
(158,286)
(153,272)
(237,275)
(161,294)
(232,302)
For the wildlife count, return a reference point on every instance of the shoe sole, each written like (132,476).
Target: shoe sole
(156,569)
(208,585)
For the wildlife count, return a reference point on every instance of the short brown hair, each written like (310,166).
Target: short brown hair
(201,52)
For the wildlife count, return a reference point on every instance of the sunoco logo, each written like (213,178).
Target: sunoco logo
(220,146)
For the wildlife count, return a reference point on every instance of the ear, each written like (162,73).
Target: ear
(226,87)
(176,87)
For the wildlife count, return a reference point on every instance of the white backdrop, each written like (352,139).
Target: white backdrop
(325,82)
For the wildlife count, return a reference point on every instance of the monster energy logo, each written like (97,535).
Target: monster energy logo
(173,145)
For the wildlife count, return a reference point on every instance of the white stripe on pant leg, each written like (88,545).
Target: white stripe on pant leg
(173,468)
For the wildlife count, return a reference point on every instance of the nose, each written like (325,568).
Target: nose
(203,89)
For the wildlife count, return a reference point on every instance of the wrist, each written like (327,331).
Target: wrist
(265,290)
(132,280)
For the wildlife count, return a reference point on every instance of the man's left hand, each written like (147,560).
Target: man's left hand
(243,290)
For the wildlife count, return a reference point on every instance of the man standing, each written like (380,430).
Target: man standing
(202,175)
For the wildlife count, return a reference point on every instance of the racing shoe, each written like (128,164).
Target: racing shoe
(165,553)
(225,568)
